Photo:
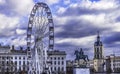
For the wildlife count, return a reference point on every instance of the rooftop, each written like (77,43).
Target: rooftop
(56,52)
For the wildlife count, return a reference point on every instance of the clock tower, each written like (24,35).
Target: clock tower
(98,55)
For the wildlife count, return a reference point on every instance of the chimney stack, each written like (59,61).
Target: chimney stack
(13,48)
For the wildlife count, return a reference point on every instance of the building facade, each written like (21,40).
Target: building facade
(98,55)
(112,63)
(13,61)
(69,67)
(58,61)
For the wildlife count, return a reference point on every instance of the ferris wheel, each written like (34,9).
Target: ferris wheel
(40,37)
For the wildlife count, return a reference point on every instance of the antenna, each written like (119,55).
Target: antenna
(98,32)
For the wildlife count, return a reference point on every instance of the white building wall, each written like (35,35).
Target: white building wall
(58,63)
(13,58)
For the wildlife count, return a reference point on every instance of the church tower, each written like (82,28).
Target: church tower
(98,55)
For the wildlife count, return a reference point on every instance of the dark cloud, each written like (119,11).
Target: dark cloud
(111,39)
(117,19)
(78,28)
(7,9)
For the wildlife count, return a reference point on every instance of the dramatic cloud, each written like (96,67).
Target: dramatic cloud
(15,7)
(76,23)
(83,19)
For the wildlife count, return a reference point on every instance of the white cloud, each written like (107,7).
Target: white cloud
(60,20)
(20,31)
(7,24)
(15,7)
(61,10)
(99,20)
(22,7)
(2,2)
(66,2)
(51,2)
(100,5)
(18,42)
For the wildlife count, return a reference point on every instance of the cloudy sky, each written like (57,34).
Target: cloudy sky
(76,24)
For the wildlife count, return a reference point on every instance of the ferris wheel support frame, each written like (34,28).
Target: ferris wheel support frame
(29,32)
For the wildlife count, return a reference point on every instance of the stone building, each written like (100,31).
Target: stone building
(58,61)
(112,63)
(69,67)
(12,61)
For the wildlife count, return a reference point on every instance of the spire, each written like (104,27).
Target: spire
(98,36)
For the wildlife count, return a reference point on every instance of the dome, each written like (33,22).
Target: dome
(98,43)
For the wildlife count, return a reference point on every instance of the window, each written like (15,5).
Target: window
(58,62)
(51,58)
(51,68)
(62,62)
(7,57)
(15,62)
(19,62)
(23,68)
(27,63)
(55,68)
(11,62)
(58,58)
(55,62)
(3,58)
(7,62)
(3,63)
(19,68)
(19,57)
(23,62)
(54,58)
(51,63)
(16,68)
(24,58)
(28,68)
(62,58)
(15,57)
(11,68)
(58,68)
(62,68)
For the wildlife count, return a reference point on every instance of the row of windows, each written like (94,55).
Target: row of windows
(14,63)
(55,62)
(117,64)
(118,60)
(57,69)
(57,58)
(13,68)
(11,57)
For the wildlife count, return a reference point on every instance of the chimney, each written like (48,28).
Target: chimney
(13,48)
(21,48)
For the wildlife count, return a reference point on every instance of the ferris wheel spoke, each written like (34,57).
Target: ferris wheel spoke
(45,44)
(40,19)
(43,24)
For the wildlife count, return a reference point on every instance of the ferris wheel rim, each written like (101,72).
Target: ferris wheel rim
(44,5)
